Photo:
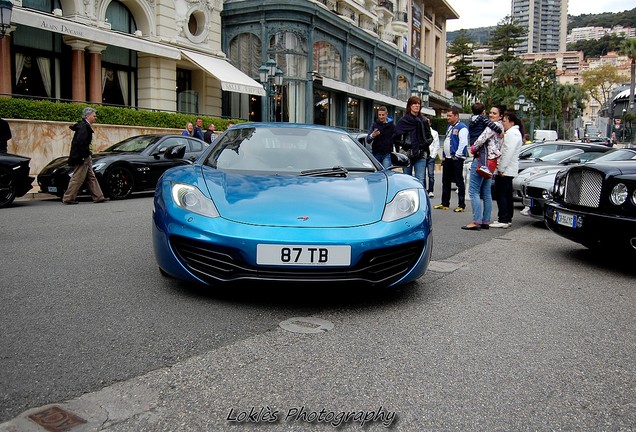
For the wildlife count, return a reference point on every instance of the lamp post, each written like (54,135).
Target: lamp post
(623,125)
(422,91)
(6,9)
(272,77)
(528,106)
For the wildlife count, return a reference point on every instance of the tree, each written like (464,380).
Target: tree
(505,39)
(463,75)
(510,73)
(628,48)
(600,81)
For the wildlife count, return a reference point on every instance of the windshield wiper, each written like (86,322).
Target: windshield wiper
(337,171)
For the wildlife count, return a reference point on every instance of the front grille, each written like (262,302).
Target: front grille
(214,264)
(583,187)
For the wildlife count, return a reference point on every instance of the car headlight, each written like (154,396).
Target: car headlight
(546,194)
(634,197)
(404,204)
(98,166)
(619,194)
(190,198)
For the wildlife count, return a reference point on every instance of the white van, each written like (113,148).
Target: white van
(541,135)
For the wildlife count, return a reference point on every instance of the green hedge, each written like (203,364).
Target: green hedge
(16,108)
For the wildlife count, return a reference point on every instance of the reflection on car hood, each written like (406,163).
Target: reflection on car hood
(287,200)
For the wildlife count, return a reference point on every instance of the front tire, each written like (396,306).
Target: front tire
(119,183)
(7,187)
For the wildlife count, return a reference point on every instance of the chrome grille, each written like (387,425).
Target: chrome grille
(583,188)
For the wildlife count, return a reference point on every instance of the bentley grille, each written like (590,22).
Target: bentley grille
(214,263)
(583,187)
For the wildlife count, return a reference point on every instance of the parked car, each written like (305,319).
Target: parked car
(595,204)
(537,189)
(14,177)
(132,165)
(291,203)
(539,150)
(600,140)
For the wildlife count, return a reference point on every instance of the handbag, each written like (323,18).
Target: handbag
(484,171)
(492,164)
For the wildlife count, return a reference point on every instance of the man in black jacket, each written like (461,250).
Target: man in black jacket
(381,137)
(80,158)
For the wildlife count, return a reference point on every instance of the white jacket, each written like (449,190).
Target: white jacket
(510,148)
(434,149)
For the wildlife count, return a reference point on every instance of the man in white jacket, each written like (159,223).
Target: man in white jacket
(508,168)
(430,160)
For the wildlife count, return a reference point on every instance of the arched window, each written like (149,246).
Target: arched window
(245,53)
(383,81)
(327,60)
(119,65)
(288,50)
(403,88)
(358,72)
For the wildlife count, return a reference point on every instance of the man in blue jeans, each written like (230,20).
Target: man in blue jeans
(380,137)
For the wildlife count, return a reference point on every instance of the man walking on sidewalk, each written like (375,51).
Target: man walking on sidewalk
(453,156)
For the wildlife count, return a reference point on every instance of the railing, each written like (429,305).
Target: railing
(386,5)
(401,17)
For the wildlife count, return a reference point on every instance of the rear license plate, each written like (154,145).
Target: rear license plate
(289,255)
(566,219)
(52,189)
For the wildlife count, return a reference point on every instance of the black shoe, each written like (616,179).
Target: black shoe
(485,226)
(471,228)
(70,202)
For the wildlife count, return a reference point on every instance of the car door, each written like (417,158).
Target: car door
(194,148)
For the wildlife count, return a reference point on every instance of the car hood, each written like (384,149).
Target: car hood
(289,200)
(544,181)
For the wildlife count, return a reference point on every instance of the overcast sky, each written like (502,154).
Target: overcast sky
(484,13)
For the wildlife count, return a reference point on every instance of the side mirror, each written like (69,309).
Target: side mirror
(399,160)
(175,152)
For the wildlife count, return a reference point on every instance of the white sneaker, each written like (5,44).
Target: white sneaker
(500,225)
(431,195)
(525,211)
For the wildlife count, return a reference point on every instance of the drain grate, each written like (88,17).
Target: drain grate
(55,419)
(306,325)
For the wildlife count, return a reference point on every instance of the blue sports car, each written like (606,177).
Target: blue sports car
(291,203)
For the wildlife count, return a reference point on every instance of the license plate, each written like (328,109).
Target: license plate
(52,189)
(566,219)
(290,255)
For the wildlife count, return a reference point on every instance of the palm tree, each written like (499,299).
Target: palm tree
(628,48)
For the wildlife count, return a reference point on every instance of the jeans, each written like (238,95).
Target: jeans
(479,189)
(420,169)
(383,158)
(453,171)
(503,190)
(430,167)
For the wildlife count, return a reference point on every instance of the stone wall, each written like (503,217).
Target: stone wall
(44,141)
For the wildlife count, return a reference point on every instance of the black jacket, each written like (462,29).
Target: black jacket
(80,145)
(383,143)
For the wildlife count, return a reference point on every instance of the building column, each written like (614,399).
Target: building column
(95,73)
(5,64)
(78,68)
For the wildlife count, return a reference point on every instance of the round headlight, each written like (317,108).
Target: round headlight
(562,187)
(634,197)
(619,194)
(546,194)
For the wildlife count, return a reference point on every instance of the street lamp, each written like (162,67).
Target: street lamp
(422,91)
(6,8)
(526,107)
(270,75)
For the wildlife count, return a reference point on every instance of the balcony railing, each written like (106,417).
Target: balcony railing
(386,5)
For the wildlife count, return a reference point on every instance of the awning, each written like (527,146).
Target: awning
(359,91)
(232,79)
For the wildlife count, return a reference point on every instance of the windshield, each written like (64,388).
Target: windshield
(618,154)
(289,150)
(559,156)
(135,144)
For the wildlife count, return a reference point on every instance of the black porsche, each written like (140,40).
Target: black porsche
(14,177)
(132,165)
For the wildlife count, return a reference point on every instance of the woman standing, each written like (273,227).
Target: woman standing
(189,130)
(418,138)
(508,168)
(486,151)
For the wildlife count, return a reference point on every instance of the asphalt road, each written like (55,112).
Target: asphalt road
(511,329)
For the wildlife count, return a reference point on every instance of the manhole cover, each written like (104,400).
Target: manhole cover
(55,419)
(306,325)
